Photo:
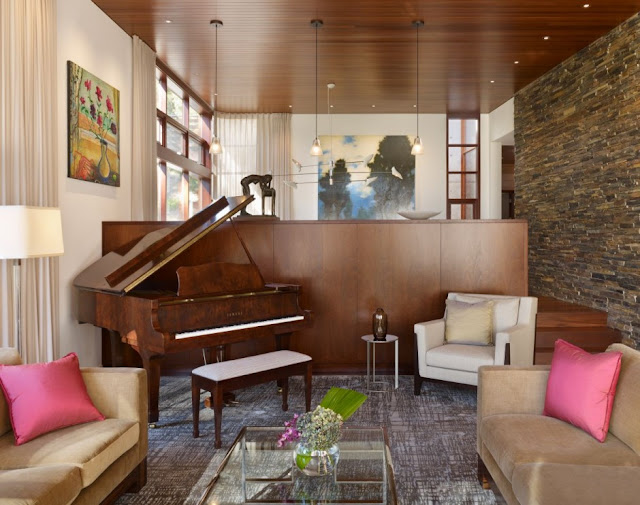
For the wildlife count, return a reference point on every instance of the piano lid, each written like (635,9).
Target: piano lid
(120,274)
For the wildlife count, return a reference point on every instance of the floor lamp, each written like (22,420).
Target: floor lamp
(28,232)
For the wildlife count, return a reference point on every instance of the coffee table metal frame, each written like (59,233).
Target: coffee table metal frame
(389,475)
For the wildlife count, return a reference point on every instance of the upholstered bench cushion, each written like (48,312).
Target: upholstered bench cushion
(44,485)
(560,484)
(461,357)
(514,439)
(92,447)
(250,365)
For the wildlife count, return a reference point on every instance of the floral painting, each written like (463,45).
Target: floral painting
(94,120)
(365,177)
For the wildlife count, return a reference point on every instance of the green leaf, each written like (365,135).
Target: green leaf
(302,460)
(343,401)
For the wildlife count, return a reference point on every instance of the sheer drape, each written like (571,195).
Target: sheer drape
(254,144)
(28,171)
(144,161)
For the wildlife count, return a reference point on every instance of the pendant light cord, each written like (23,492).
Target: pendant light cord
(215,119)
(417,82)
(316,81)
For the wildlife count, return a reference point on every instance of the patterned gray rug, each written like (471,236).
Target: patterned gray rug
(432,438)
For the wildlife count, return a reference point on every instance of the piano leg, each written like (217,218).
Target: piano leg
(151,364)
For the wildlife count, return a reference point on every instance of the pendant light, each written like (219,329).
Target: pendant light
(316,149)
(216,146)
(417,142)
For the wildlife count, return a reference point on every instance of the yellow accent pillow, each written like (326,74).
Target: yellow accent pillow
(468,323)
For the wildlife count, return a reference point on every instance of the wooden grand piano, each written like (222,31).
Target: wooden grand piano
(170,292)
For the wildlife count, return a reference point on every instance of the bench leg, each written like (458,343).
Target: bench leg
(217,409)
(285,394)
(195,406)
(307,387)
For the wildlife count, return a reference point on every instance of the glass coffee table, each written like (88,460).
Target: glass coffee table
(256,470)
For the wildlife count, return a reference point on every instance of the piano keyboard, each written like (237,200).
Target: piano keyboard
(254,324)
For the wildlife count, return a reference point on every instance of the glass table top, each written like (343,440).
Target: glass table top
(256,470)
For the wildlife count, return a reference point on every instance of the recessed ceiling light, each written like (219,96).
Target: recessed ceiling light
(586,6)
(331,106)
(492,82)
(546,37)
(414,105)
(373,106)
(290,106)
(168,21)
(516,62)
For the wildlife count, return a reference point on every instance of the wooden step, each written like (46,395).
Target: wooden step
(582,326)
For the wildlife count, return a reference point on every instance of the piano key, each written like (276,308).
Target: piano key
(222,329)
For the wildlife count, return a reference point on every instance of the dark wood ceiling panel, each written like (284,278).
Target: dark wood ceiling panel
(367,47)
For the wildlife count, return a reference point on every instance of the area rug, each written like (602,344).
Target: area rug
(432,438)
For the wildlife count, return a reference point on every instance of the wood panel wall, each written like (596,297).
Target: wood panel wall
(349,268)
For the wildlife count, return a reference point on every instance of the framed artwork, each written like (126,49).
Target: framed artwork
(365,176)
(94,120)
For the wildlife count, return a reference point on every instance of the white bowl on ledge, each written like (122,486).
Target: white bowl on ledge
(418,214)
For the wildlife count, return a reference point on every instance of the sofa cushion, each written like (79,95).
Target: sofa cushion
(8,356)
(43,485)
(581,388)
(461,357)
(515,439)
(92,447)
(626,406)
(558,484)
(505,310)
(468,323)
(43,397)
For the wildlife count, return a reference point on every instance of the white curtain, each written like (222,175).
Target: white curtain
(144,189)
(28,170)
(254,144)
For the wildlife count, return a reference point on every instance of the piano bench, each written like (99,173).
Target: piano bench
(218,378)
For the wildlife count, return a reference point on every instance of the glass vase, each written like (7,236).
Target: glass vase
(316,462)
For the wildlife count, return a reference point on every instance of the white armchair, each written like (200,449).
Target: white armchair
(514,322)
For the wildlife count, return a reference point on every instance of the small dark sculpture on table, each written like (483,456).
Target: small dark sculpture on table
(264,181)
(379,323)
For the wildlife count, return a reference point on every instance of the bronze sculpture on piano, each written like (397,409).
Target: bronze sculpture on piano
(164,294)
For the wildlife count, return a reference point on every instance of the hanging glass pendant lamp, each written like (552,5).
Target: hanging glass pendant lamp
(216,146)
(417,142)
(316,149)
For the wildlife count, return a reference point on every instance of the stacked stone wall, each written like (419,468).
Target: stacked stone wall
(577,178)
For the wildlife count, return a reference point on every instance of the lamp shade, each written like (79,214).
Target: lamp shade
(30,232)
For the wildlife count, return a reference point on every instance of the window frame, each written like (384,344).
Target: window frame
(463,200)
(165,155)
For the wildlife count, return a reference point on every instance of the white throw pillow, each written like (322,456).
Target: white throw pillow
(505,310)
(468,323)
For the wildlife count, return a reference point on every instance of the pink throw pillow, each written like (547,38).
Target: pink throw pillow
(43,397)
(581,388)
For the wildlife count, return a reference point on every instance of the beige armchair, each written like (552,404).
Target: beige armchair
(513,333)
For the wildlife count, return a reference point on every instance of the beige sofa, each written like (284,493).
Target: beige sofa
(539,460)
(90,463)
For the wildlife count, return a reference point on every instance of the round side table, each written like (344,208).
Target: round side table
(371,363)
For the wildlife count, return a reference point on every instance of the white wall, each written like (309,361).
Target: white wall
(89,38)
(500,133)
(431,167)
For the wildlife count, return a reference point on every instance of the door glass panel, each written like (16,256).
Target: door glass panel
(195,151)
(470,186)
(470,158)
(174,193)
(455,190)
(455,159)
(175,139)
(195,202)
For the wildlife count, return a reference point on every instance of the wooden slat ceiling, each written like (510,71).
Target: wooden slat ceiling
(366,47)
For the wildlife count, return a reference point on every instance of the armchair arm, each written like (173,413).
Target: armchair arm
(120,393)
(511,390)
(429,334)
(522,342)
